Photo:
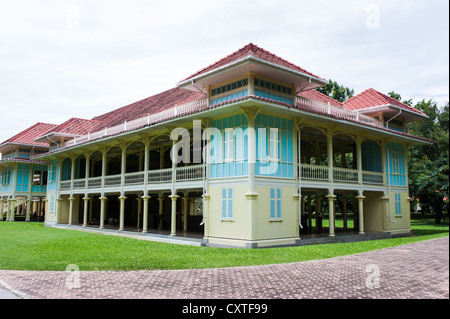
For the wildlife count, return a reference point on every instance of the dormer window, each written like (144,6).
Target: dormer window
(273,91)
(394,124)
(230,91)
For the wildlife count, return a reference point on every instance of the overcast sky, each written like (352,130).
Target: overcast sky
(76,58)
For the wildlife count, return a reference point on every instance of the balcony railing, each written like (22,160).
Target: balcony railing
(309,172)
(342,175)
(189,173)
(338,112)
(134,178)
(202,104)
(160,176)
(176,111)
(315,172)
(346,175)
(372,178)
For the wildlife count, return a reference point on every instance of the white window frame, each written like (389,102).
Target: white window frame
(398,204)
(227,203)
(228,145)
(275,203)
(274,145)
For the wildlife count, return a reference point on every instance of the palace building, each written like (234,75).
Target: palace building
(243,153)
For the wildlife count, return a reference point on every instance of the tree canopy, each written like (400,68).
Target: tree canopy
(338,92)
(429,165)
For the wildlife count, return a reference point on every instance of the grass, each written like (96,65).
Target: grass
(31,246)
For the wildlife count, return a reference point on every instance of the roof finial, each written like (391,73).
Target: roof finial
(250,48)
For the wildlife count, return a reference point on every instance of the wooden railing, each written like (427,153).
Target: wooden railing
(343,175)
(338,112)
(196,172)
(372,178)
(315,172)
(189,173)
(346,175)
(173,112)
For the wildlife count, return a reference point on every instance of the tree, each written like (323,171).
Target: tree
(336,91)
(399,98)
(429,165)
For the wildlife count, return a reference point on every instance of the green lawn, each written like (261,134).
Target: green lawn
(31,246)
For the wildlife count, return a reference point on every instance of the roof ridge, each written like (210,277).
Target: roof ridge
(356,96)
(217,62)
(286,61)
(252,50)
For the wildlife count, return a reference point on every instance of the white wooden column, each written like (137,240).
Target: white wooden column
(103,200)
(359,159)
(122,199)
(71,199)
(330,155)
(27,216)
(104,164)
(360,199)
(123,170)
(173,217)
(87,170)
(85,211)
(145,198)
(72,173)
(1,209)
(331,202)
(206,198)
(13,210)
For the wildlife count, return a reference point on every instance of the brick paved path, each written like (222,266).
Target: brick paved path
(418,270)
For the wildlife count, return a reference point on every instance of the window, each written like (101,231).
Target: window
(227,203)
(226,94)
(228,151)
(5,177)
(52,173)
(398,205)
(37,178)
(40,178)
(275,203)
(274,144)
(396,164)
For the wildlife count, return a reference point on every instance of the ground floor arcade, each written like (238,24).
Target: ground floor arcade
(22,208)
(158,212)
(319,213)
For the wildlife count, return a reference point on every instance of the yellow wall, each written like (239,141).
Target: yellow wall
(373,212)
(377,217)
(240,230)
(403,222)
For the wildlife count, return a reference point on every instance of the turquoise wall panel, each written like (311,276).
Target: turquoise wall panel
(395,157)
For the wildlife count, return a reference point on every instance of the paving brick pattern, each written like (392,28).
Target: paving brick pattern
(418,270)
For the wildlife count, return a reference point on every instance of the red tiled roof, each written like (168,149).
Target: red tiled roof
(257,52)
(150,105)
(371,98)
(30,134)
(76,126)
(320,97)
